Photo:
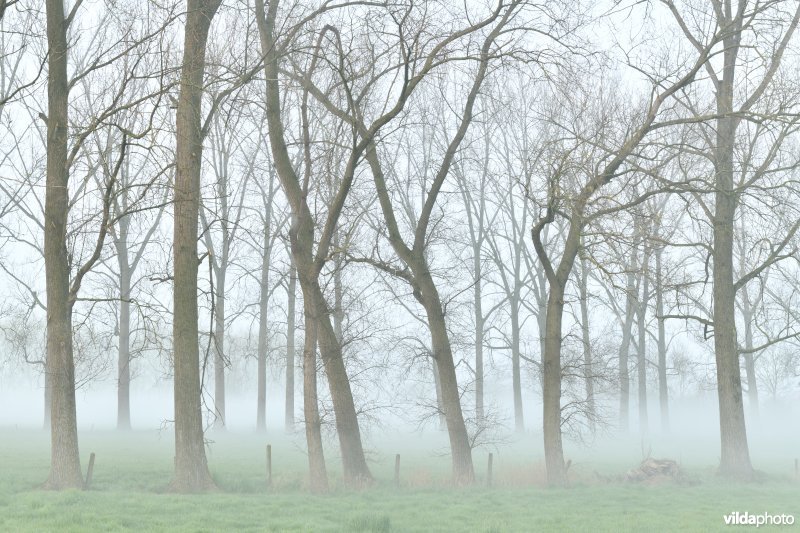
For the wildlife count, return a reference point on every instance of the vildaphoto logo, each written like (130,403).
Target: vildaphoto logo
(764,519)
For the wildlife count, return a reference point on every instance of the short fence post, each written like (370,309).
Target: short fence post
(397,470)
(89,472)
(269,465)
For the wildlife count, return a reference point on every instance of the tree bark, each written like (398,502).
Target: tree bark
(463,470)
(65,467)
(735,456)
(124,350)
(516,375)
(191,467)
(263,331)
(588,367)
(624,349)
(356,473)
(220,361)
(318,475)
(290,349)
(641,356)
(663,390)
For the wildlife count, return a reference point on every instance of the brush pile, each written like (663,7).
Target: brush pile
(654,470)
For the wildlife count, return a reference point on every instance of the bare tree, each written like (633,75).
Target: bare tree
(191,467)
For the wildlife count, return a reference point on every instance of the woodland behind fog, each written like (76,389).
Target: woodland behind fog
(387,204)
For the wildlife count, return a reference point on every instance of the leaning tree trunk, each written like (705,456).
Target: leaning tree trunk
(65,466)
(318,475)
(463,470)
(354,464)
(191,467)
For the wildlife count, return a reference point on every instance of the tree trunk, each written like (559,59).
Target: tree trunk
(463,471)
(749,356)
(663,391)
(263,332)
(551,383)
(124,355)
(588,367)
(65,467)
(191,467)
(318,475)
(290,355)
(516,377)
(479,320)
(641,357)
(220,361)
(624,351)
(354,464)
(735,456)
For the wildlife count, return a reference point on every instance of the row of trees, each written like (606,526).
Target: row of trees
(439,180)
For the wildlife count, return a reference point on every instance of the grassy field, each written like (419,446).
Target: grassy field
(132,472)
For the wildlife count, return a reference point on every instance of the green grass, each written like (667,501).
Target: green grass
(133,470)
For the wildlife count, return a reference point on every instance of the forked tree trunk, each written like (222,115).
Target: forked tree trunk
(191,467)
(308,267)
(65,466)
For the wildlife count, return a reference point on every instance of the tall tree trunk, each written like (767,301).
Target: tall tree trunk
(516,377)
(437,383)
(624,349)
(191,467)
(124,355)
(641,357)
(735,456)
(428,296)
(290,355)
(588,367)
(479,326)
(263,331)
(749,356)
(308,267)
(220,361)
(65,467)
(551,382)
(318,475)
(354,464)
(663,391)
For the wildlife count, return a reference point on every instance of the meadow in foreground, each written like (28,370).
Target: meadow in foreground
(132,470)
